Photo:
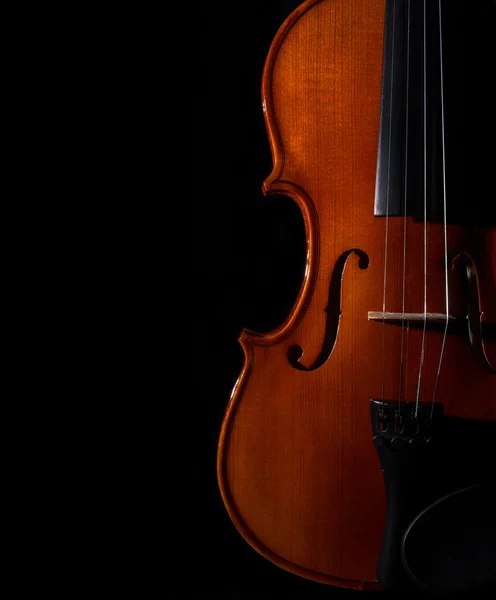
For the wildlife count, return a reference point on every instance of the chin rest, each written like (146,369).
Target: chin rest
(451,545)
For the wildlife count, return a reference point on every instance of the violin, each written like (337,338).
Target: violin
(355,449)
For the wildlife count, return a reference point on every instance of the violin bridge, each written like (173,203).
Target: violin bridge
(400,317)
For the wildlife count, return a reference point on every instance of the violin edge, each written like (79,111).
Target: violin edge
(297,312)
(274,185)
(275,140)
(234,514)
(248,339)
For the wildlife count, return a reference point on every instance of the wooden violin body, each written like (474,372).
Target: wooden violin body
(297,468)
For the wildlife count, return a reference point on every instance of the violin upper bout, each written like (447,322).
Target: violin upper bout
(326,50)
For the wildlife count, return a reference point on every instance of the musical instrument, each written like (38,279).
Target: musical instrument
(373,404)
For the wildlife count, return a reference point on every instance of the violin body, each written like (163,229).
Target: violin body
(297,468)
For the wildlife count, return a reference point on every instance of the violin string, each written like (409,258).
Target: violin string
(387,211)
(422,351)
(445,210)
(402,349)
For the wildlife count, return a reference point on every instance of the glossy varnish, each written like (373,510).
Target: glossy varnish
(296,465)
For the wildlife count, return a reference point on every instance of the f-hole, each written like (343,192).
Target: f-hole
(475,326)
(333,311)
